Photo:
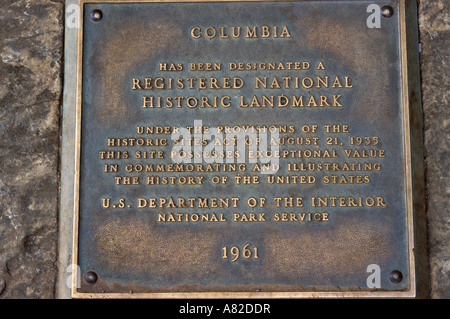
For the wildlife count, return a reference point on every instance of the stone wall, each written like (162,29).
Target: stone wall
(434,31)
(31,57)
(31,79)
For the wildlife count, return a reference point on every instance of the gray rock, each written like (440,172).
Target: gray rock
(434,35)
(30,94)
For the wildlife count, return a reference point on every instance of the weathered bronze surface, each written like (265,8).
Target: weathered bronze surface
(342,200)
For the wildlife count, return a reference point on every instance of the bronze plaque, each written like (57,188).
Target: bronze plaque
(245,149)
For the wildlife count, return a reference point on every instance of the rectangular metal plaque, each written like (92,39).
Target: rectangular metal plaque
(245,149)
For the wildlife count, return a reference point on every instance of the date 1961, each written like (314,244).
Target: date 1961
(247,252)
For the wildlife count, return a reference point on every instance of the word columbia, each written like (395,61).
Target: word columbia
(254,32)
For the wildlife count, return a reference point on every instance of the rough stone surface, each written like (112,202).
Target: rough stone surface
(434,35)
(31,44)
(30,90)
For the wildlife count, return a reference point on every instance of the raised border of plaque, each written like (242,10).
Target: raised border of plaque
(70,171)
